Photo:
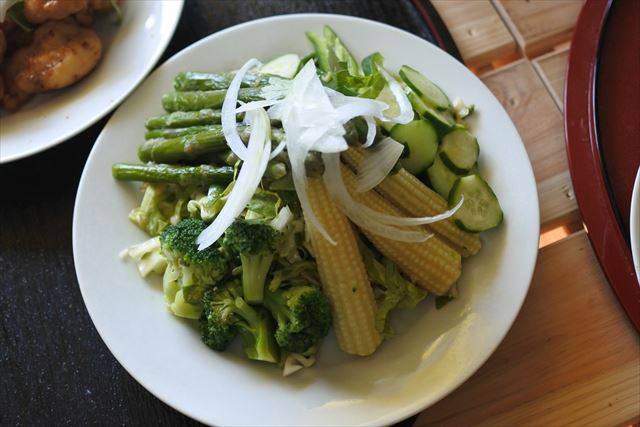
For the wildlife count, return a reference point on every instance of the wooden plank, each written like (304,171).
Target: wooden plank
(597,401)
(571,357)
(552,68)
(539,25)
(477,29)
(556,197)
(540,125)
(559,228)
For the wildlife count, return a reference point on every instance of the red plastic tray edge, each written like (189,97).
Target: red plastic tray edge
(584,159)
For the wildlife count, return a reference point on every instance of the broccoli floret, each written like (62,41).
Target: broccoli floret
(303,316)
(255,242)
(189,271)
(225,314)
(194,267)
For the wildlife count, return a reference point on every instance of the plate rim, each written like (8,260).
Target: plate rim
(117,101)
(417,405)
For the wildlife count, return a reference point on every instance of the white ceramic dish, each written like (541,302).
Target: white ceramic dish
(634,225)
(131,49)
(434,351)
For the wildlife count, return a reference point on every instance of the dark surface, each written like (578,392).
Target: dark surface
(54,368)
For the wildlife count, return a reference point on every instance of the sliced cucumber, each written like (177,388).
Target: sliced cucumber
(443,120)
(421,138)
(321,51)
(284,66)
(459,151)
(425,88)
(480,210)
(441,178)
(341,52)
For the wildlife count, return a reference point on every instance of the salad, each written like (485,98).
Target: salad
(288,198)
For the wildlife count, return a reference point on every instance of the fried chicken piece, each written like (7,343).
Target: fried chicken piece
(3,49)
(60,54)
(84,18)
(15,36)
(3,45)
(13,98)
(38,11)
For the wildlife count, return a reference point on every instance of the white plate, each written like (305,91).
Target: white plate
(634,225)
(131,49)
(433,352)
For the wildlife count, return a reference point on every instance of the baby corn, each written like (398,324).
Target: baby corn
(431,263)
(414,198)
(343,275)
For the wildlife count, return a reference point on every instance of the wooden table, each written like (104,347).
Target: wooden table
(571,358)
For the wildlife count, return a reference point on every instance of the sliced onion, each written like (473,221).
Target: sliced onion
(228,113)
(279,148)
(300,136)
(406,110)
(379,161)
(247,180)
(407,221)
(330,144)
(371,131)
(351,107)
(360,214)
(297,155)
(256,104)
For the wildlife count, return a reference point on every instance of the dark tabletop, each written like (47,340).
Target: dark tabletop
(54,368)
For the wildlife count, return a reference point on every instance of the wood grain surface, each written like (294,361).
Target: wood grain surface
(552,69)
(477,29)
(539,123)
(571,357)
(538,25)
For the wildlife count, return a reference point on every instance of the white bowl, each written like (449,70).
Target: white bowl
(634,225)
(131,49)
(434,351)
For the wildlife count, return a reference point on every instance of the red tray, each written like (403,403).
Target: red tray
(602,129)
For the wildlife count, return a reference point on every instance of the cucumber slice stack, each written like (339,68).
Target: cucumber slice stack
(454,174)
(452,166)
